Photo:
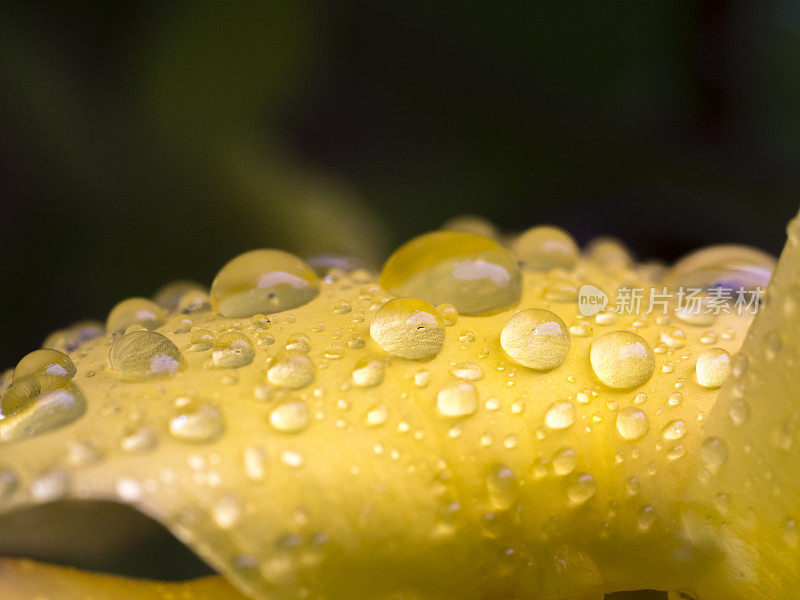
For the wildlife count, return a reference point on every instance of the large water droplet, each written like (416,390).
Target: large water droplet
(291,370)
(196,422)
(544,248)
(290,417)
(622,359)
(37,404)
(408,327)
(134,311)
(45,362)
(141,355)
(459,400)
(474,274)
(70,339)
(713,367)
(536,338)
(232,350)
(632,423)
(502,487)
(263,281)
(728,267)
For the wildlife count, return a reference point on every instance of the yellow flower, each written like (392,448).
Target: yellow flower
(473,423)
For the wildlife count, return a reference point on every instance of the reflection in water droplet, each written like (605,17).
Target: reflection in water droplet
(712,368)
(408,327)
(622,359)
(141,355)
(536,338)
(474,274)
(263,281)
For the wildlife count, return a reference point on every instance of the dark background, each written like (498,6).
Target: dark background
(148,141)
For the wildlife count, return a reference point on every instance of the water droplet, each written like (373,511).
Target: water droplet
(421,378)
(290,417)
(377,415)
(232,350)
(459,400)
(45,362)
(263,281)
(141,355)
(70,339)
(502,487)
(645,518)
(39,403)
(193,302)
(50,486)
(609,252)
(134,312)
(342,307)
(227,511)
(196,422)
(632,423)
(560,415)
(622,359)
(790,533)
(713,453)
(468,371)
(128,489)
(368,372)
(564,461)
(674,338)
(8,484)
(291,458)
(536,338)
(291,370)
(581,487)
(474,274)
(739,411)
(472,224)
(712,367)
(408,327)
(569,574)
(728,267)
(169,295)
(544,248)
(142,439)
(674,430)
(201,340)
(255,462)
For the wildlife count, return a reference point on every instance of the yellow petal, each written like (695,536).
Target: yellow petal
(462,474)
(29,580)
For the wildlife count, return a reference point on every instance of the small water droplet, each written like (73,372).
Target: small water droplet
(50,486)
(468,371)
(502,487)
(263,281)
(560,415)
(632,423)
(581,488)
(544,248)
(201,340)
(713,453)
(564,461)
(645,518)
(232,350)
(291,370)
(290,417)
(449,314)
(227,511)
(459,400)
(739,411)
(196,422)
(712,368)
(621,359)
(536,338)
(368,372)
(298,342)
(141,355)
(139,312)
(408,327)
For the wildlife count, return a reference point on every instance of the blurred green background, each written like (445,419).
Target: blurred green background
(145,141)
